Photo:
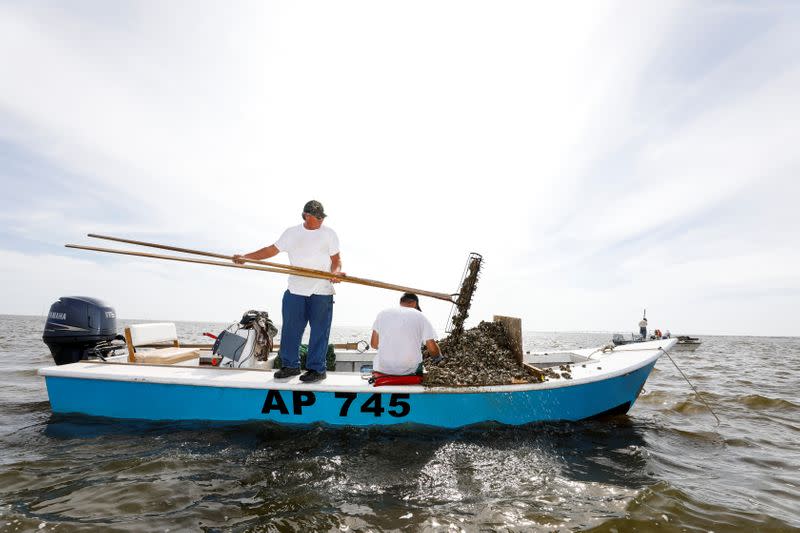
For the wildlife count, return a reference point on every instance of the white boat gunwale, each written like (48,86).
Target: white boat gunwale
(253,378)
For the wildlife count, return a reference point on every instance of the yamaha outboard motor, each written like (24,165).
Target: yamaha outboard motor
(77,326)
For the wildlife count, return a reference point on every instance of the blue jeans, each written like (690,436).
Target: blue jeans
(298,311)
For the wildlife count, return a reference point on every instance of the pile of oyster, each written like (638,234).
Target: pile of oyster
(477,357)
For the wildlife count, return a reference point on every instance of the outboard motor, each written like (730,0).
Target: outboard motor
(77,326)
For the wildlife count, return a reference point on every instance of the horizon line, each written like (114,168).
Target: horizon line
(674,335)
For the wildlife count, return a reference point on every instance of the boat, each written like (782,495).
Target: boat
(602,383)
(182,383)
(619,339)
(684,342)
(687,343)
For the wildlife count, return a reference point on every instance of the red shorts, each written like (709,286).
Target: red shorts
(379,379)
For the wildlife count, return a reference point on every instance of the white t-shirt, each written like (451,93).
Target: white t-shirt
(401,333)
(309,249)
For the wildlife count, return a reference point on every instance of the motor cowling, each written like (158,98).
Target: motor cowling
(76,325)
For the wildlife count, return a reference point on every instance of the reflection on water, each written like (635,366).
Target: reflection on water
(664,465)
(553,474)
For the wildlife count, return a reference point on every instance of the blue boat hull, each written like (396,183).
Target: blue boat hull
(160,401)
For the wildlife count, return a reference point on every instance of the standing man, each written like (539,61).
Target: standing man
(307,300)
(398,334)
(643,328)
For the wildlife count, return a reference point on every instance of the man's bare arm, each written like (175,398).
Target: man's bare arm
(263,253)
(433,347)
(374,340)
(336,266)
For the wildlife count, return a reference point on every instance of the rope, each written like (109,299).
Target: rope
(610,348)
(692,386)
(607,348)
(604,348)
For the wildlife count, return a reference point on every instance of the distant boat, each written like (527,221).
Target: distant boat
(687,343)
(684,342)
(619,339)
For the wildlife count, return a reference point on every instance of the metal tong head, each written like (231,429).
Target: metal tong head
(463,298)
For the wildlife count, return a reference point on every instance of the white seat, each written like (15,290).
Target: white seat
(140,334)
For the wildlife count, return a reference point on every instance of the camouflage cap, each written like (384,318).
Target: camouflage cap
(315,209)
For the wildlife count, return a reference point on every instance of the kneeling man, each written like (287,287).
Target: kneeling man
(398,334)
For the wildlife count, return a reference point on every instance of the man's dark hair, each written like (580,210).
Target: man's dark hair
(410,297)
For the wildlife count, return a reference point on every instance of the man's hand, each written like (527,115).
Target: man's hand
(238,259)
(337,280)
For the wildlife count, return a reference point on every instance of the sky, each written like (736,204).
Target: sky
(603,157)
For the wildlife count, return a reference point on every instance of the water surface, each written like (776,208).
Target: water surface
(665,465)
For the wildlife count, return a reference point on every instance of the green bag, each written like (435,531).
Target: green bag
(330,358)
